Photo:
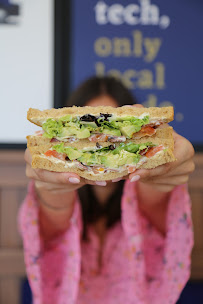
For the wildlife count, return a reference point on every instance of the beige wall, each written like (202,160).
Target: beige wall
(13,184)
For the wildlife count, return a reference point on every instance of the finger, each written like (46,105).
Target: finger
(27,156)
(56,177)
(30,173)
(49,176)
(162,188)
(183,149)
(185,168)
(146,174)
(56,188)
(173,180)
(138,105)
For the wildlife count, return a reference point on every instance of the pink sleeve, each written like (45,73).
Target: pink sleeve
(162,264)
(52,272)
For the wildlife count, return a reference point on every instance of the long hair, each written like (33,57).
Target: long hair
(92,210)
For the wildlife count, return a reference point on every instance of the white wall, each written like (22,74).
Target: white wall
(26,68)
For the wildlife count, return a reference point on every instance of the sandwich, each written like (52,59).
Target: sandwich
(101,143)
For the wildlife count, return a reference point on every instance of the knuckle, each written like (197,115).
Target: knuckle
(62,178)
(191,151)
(144,176)
(184,179)
(26,155)
(166,168)
(27,171)
(40,173)
(191,167)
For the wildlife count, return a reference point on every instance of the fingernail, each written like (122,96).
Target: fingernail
(135,178)
(102,183)
(116,180)
(74,180)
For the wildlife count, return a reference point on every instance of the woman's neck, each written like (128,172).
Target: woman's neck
(103,193)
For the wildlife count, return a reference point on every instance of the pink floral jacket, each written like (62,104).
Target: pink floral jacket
(139,266)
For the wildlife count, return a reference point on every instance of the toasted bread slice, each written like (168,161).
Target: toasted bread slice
(40,144)
(43,162)
(163,137)
(38,117)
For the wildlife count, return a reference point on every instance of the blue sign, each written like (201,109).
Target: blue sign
(154,46)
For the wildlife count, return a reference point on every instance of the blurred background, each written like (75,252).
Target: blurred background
(48,47)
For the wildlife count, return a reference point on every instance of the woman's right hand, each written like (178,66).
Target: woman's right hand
(56,198)
(54,182)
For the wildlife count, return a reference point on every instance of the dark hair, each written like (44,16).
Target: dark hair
(98,86)
(92,210)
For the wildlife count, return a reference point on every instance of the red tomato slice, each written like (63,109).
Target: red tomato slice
(148,130)
(54,153)
(152,151)
(145,130)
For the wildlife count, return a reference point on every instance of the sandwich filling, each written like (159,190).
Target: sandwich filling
(104,159)
(102,128)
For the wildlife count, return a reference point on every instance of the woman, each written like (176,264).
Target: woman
(79,246)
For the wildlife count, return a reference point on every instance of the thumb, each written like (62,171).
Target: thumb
(139,175)
(138,105)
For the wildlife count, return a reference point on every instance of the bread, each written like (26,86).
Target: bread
(39,117)
(43,158)
(40,144)
(39,160)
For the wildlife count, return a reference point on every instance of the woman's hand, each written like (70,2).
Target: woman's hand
(164,178)
(52,181)
(56,197)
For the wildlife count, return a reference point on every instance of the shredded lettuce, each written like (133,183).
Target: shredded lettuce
(72,126)
(121,155)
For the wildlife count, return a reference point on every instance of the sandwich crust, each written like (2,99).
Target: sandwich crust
(39,117)
(42,162)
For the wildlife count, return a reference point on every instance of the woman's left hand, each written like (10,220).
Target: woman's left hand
(165,177)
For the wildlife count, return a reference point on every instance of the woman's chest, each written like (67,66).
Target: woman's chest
(109,279)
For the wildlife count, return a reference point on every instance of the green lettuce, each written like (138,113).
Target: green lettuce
(68,126)
(121,155)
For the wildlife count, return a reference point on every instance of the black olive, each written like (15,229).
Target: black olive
(105,116)
(97,123)
(102,117)
(98,145)
(88,117)
(112,147)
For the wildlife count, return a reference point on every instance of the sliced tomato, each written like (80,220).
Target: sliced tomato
(145,131)
(148,130)
(152,151)
(54,153)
